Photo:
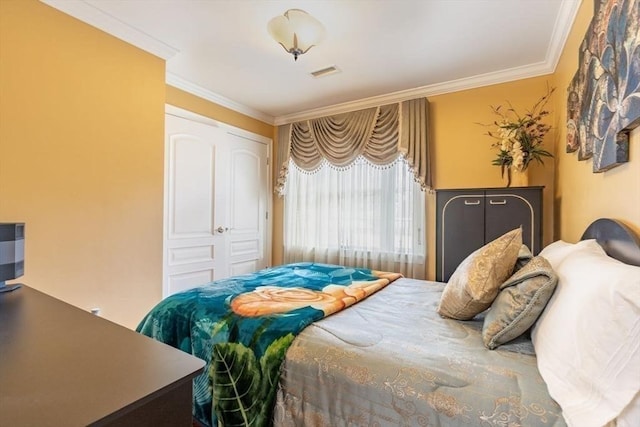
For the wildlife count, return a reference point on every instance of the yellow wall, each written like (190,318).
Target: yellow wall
(463,154)
(582,196)
(81,159)
(187,101)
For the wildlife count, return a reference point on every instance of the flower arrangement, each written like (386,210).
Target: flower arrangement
(520,136)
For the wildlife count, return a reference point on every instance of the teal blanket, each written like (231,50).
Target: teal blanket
(242,327)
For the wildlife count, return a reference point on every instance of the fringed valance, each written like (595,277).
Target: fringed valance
(379,134)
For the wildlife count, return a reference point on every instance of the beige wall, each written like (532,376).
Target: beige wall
(81,147)
(462,152)
(582,196)
(81,159)
(193,103)
(573,196)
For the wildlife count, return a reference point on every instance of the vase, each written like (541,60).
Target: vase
(517,178)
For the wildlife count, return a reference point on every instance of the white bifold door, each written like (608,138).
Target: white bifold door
(216,203)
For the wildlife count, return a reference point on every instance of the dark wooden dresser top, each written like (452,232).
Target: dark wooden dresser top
(62,366)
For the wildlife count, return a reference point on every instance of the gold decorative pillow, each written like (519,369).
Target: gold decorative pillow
(476,282)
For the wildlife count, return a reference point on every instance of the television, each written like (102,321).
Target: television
(11,254)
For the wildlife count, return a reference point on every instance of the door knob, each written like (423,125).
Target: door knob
(221,229)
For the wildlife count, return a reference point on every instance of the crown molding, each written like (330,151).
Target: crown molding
(190,115)
(194,89)
(562,28)
(98,18)
(534,70)
(94,16)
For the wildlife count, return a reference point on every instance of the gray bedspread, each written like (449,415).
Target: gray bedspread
(391,360)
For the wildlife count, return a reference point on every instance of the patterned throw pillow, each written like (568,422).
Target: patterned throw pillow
(519,304)
(524,256)
(476,282)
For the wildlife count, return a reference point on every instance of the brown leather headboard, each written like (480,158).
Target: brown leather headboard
(618,240)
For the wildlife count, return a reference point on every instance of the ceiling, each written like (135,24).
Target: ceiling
(386,50)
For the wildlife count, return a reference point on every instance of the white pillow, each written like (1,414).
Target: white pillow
(587,339)
(557,251)
(631,414)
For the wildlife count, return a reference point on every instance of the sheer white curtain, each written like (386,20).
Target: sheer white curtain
(363,215)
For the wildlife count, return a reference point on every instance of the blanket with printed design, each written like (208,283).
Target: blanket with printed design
(242,327)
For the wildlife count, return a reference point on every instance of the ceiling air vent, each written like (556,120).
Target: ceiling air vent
(325,71)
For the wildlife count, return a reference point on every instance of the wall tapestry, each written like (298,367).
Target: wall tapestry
(603,100)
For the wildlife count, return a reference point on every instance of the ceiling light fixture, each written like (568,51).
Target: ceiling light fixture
(296,31)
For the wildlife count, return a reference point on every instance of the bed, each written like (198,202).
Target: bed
(393,360)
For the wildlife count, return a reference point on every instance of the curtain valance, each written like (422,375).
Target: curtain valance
(379,134)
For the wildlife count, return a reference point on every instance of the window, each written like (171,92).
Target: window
(363,215)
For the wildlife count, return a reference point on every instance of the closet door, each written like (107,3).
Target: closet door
(216,189)
(194,251)
(247,205)
(460,223)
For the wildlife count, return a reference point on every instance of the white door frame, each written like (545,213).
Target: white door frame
(242,133)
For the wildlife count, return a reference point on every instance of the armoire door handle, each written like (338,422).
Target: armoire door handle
(497,202)
(468,203)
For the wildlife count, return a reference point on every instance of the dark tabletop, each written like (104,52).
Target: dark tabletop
(62,366)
